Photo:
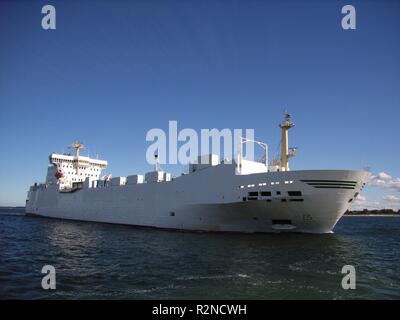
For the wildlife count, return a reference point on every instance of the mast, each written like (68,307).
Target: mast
(77,146)
(285,154)
(157,163)
(240,155)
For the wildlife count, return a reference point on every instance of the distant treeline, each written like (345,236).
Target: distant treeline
(373,212)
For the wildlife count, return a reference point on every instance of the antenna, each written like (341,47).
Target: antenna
(242,141)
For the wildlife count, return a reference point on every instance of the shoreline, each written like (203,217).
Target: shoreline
(371,215)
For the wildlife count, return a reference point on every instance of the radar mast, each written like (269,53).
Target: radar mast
(285,154)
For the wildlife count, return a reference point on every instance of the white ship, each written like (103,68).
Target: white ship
(239,196)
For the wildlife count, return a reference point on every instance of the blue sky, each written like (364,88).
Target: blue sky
(112,70)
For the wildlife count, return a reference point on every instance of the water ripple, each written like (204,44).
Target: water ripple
(98,261)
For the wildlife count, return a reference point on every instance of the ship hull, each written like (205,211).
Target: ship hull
(215,200)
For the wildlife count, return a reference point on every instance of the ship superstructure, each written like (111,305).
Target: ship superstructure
(69,170)
(238,196)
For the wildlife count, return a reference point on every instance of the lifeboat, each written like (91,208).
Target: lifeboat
(59,174)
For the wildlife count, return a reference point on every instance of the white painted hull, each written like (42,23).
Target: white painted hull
(210,200)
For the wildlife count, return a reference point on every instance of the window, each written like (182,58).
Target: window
(253,194)
(278,193)
(172,214)
(294,193)
(265,193)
